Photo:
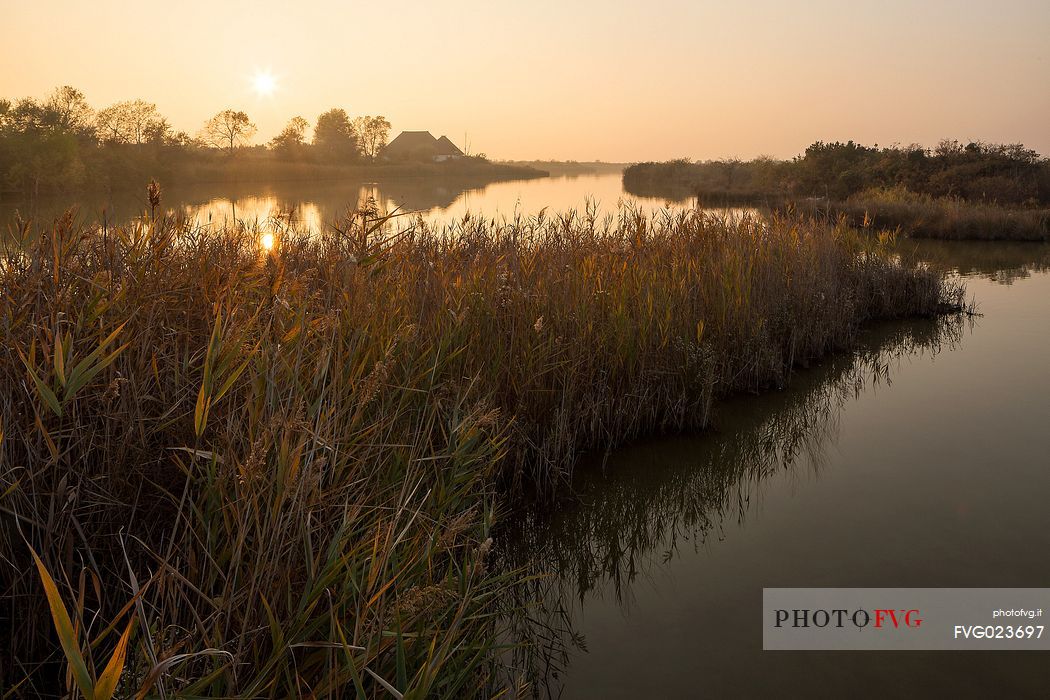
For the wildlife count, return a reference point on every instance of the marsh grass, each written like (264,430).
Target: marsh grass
(923,216)
(280,467)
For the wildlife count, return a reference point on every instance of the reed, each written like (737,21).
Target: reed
(923,216)
(270,470)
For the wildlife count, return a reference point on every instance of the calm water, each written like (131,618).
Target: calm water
(317,204)
(923,460)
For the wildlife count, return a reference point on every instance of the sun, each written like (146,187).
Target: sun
(264,83)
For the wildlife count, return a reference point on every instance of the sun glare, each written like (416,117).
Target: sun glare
(267,241)
(264,83)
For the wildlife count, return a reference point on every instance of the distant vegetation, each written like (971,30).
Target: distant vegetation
(266,464)
(63,144)
(954,190)
(570,167)
(991,173)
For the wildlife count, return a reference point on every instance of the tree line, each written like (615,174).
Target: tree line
(976,171)
(62,142)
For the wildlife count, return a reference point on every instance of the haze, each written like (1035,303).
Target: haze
(616,81)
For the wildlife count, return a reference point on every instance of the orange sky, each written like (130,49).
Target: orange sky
(612,80)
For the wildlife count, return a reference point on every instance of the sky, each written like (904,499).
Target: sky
(613,80)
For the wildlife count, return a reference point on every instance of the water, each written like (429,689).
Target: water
(921,461)
(316,204)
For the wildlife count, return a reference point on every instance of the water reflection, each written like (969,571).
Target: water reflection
(267,241)
(999,261)
(645,505)
(310,206)
(314,205)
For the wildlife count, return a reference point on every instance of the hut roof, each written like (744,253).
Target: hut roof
(416,144)
(447,148)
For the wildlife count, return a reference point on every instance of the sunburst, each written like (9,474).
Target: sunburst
(264,83)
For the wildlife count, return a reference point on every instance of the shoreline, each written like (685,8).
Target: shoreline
(915,215)
(261,171)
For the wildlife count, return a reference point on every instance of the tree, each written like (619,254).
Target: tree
(292,140)
(836,169)
(180,139)
(26,116)
(228,129)
(6,114)
(334,136)
(134,121)
(69,110)
(729,169)
(372,133)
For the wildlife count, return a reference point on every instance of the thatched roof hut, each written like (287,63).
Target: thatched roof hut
(420,145)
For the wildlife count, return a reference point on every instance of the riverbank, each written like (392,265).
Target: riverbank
(265,168)
(261,166)
(296,454)
(980,191)
(569,168)
(916,215)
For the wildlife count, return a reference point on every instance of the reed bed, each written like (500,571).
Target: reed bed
(923,216)
(253,471)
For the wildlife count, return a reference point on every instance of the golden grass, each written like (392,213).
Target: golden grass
(285,464)
(951,218)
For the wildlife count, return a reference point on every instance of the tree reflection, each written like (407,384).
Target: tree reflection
(1001,261)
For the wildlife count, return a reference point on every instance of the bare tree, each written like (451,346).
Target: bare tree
(134,121)
(228,129)
(70,110)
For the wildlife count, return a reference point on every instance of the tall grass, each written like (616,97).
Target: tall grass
(280,468)
(924,216)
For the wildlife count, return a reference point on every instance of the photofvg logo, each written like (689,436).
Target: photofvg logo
(904,618)
(840,617)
